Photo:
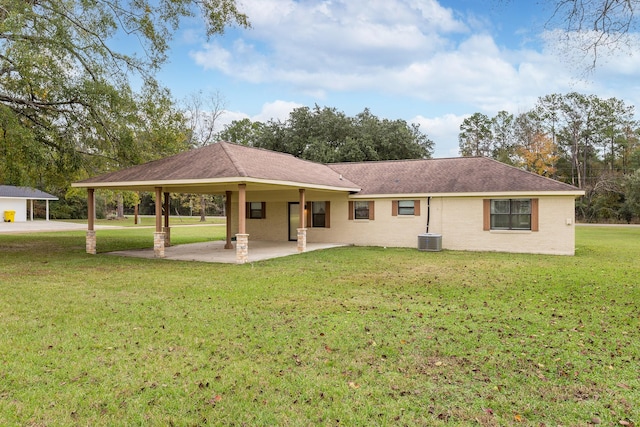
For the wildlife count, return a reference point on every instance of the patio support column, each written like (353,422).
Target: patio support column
(242,238)
(31,212)
(47,210)
(167,213)
(302,229)
(158,236)
(91,214)
(227,211)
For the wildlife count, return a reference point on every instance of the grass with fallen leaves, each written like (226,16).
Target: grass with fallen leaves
(347,336)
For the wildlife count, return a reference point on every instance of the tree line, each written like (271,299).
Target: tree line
(326,135)
(584,140)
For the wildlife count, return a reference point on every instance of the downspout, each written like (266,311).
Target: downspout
(428,212)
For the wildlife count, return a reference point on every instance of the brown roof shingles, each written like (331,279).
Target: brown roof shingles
(452,175)
(225,160)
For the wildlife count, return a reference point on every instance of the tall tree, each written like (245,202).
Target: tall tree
(328,135)
(202,112)
(502,129)
(64,83)
(475,136)
(244,132)
(614,119)
(540,155)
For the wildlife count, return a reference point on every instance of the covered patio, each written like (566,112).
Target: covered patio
(215,251)
(233,171)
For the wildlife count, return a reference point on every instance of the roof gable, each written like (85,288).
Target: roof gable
(224,160)
(451,175)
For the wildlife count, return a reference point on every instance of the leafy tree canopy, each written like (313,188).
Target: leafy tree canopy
(65,91)
(327,135)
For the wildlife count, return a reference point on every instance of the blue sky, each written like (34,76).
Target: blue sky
(425,61)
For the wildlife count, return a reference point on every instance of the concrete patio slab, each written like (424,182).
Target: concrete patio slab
(215,252)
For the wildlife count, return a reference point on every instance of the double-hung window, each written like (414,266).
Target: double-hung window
(318,214)
(405,208)
(511,214)
(361,210)
(256,210)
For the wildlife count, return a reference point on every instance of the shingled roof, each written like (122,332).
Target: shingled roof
(12,192)
(224,161)
(445,176)
(222,165)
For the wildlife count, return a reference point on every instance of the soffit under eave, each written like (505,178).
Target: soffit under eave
(211,187)
(573,193)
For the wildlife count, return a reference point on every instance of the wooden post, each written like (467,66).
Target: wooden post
(167,207)
(91,214)
(158,236)
(302,203)
(242,238)
(242,208)
(302,230)
(91,208)
(227,211)
(158,209)
(167,213)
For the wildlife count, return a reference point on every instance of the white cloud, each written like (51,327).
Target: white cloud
(277,110)
(314,37)
(401,49)
(413,48)
(443,131)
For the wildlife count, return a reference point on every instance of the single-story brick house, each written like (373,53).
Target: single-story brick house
(473,203)
(15,199)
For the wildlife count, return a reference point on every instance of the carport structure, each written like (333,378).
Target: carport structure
(222,168)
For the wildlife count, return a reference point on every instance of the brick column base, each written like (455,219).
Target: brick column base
(167,236)
(91,242)
(158,244)
(302,239)
(242,248)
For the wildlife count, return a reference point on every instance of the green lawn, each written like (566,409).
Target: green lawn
(347,336)
(150,221)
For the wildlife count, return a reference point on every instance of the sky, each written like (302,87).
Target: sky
(428,62)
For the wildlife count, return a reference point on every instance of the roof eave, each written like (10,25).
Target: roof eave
(147,185)
(527,193)
(30,198)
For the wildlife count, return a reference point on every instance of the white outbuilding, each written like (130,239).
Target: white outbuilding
(16,202)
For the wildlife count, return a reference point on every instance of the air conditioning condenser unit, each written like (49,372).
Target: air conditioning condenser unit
(430,242)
